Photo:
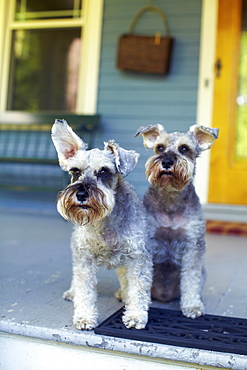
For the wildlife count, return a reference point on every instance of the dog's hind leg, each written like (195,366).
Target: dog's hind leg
(121,293)
(166,282)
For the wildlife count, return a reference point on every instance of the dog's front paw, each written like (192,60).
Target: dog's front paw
(82,323)
(133,319)
(68,295)
(193,311)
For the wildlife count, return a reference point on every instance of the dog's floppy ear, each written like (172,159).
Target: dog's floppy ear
(205,136)
(150,134)
(125,160)
(66,142)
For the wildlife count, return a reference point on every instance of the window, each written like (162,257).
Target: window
(47,64)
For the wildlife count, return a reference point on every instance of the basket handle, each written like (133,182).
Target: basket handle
(151,9)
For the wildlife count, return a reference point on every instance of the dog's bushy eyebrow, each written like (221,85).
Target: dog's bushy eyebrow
(73,169)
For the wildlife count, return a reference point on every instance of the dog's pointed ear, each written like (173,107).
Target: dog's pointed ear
(66,142)
(125,160)
(205,136)
(150,134)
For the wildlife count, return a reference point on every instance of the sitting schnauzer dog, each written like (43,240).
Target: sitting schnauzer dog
(110,227)
(174,208)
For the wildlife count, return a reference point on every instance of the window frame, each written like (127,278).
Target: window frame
(91,29)
(205,96)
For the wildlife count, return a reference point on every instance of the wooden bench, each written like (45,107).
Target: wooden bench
(25,138)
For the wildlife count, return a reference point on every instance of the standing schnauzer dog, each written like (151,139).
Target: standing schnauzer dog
(174,208)
(110,227)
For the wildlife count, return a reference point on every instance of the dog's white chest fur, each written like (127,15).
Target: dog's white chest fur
(103,246)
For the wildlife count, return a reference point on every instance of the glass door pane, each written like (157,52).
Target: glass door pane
(241,126)
(44,70)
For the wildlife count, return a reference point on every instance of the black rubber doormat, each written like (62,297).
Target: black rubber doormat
(210,332)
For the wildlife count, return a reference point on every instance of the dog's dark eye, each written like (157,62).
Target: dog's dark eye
(184,149)
(160,148)
(103,172)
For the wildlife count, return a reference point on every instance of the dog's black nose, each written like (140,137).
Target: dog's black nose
(167,163)
(82,195)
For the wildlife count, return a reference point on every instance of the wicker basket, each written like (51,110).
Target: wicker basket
(142,53)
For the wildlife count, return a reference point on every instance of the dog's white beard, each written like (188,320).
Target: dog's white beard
(94,209)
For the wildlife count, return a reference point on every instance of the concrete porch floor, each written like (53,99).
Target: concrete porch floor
(35,269)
